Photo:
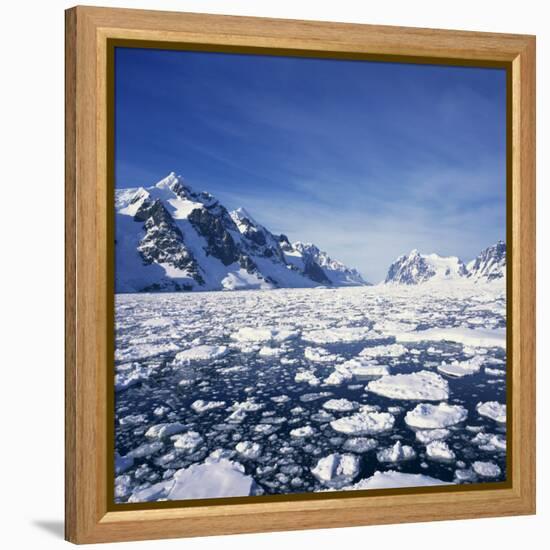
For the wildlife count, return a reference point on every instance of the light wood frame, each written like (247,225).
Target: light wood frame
(88,515)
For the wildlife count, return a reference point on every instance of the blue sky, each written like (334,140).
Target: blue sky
(367,160)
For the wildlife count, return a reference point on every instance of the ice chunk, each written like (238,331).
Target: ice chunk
(483,338)
(146,449)
(267,351)
(440,451)
(340,335)
(486,469)
(201,406)
(265,334)
(123,463)
(304,431)
(188,441)
(427,436)
(308,377)
(319,355)
(200,353)
(489,442)
(336,470)
(428,416)
(423,385)
(462,368)
(364,423)
(392,480)
(492,409)
(160,431)
(342,405)
(249,449)
(397,453)
(389,350)
(360,444)
(131,374)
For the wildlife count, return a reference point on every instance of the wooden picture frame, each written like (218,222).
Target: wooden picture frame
(90,33)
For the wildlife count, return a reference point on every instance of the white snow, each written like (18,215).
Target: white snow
(423,385)
(319,355)
(492,409)
(336,470)
(389,350)
(428,416)
(264,334)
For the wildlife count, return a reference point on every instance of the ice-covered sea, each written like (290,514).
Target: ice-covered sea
(298,390)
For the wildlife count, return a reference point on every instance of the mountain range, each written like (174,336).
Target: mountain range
(416,268)
(169,237)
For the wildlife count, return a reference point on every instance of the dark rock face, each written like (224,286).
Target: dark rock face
(220,242)
(315,272)
(163,240)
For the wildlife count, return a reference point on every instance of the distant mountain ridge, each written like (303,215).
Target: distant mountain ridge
(416,268)
(170,237)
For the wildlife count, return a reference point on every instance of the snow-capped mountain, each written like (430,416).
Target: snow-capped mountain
(170,237)
(490,264)
(419,268)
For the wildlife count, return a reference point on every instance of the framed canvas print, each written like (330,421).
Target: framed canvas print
(300,274)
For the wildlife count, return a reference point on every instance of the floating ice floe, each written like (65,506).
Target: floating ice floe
(264,334)
(130,374)
(340,335)
(211,479)
(249,449)
(428,416)
(308,377)
(389,350)
(486,469)
(336,470)
(188,441)
(392,480)
(267,351)
(200,353)
(494,372)
(146,449)
(364,423)
(160,431)
(363,368)
(359,444)
(200,406)
(484,338)
(423,385)
(462,368)
(440,451)
(138,352)
(427,436)
(303,431)
(489,442)
(123,463)
(341,405)
(492,409)
(319,355)
(464,474)
(396,453)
